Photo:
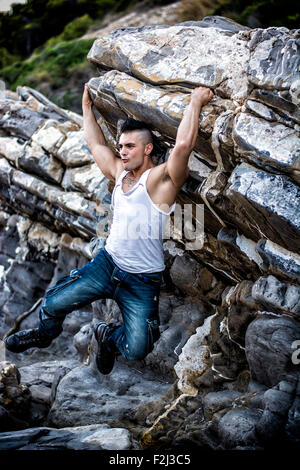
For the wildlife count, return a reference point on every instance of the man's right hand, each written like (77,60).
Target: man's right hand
(86,100)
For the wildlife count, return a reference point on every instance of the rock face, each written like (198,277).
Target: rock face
(224,373)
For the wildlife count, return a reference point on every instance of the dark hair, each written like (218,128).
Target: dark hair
(133,125)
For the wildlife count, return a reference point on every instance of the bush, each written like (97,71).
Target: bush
(72,30)
(55,63)
(38,78)
(77,27)
(261,13)
(6,58)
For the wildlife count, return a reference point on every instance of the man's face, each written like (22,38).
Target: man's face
(132,150)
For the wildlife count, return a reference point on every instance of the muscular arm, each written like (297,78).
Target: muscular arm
(177,164)
(102,154)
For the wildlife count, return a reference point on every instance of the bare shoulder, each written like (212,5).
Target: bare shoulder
(160,186)
(160,175)
(158,172)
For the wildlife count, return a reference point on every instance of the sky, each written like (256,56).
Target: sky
(5,4)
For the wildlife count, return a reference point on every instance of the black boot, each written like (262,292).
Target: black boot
(26,339)
(105,357)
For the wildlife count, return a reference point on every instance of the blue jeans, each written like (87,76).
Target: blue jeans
(136,294)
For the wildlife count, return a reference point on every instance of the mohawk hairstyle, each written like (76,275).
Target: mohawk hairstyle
(133,125)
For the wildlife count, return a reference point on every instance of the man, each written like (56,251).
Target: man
(129,269)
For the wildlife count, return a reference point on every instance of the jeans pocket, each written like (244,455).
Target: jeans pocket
(155,280)
(63,282)
(153,333)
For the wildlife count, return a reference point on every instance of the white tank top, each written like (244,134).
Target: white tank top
(135,242)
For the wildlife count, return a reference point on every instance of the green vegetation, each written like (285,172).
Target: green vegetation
(58,71)
(252,13)
(72,30)
(261,13)
(53,62)
(6,58)
(30,25)
(40,45)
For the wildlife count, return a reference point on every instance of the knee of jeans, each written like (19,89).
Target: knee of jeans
(47,305)
(57,304)
(136,356)
(50,306)
(135,353)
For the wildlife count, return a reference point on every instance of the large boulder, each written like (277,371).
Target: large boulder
(269,349)
(84,396)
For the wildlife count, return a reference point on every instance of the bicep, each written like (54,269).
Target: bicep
(177,164)
(106,160)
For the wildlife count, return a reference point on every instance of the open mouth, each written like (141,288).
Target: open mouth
(124,160)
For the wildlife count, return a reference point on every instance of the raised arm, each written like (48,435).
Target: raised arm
(104,157)
(177,164)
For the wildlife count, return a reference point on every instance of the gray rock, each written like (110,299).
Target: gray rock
(94,437)
(15,440)
(260,109)
(245,246)
(18,119)
(274,58)
(256,387)
(42,379)
(84,396)
(279,414)
(276,296)
(289,111)
(39,102)
(152,58)
(279,260)
(82,340)
(216,401)
(40,393)
(25,279)
(74,151)
(217,22)
(272,201)
(8,422)
(43,373)
(269,350)
(292,426)
(12,148)
(5,171)
(35,160)
(193,279)
(89,180)
(71,202)
(275,148)
(237,428)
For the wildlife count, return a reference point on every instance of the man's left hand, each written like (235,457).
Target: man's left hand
(202,95)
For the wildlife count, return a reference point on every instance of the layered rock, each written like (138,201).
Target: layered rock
(225,372)
(94,437)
